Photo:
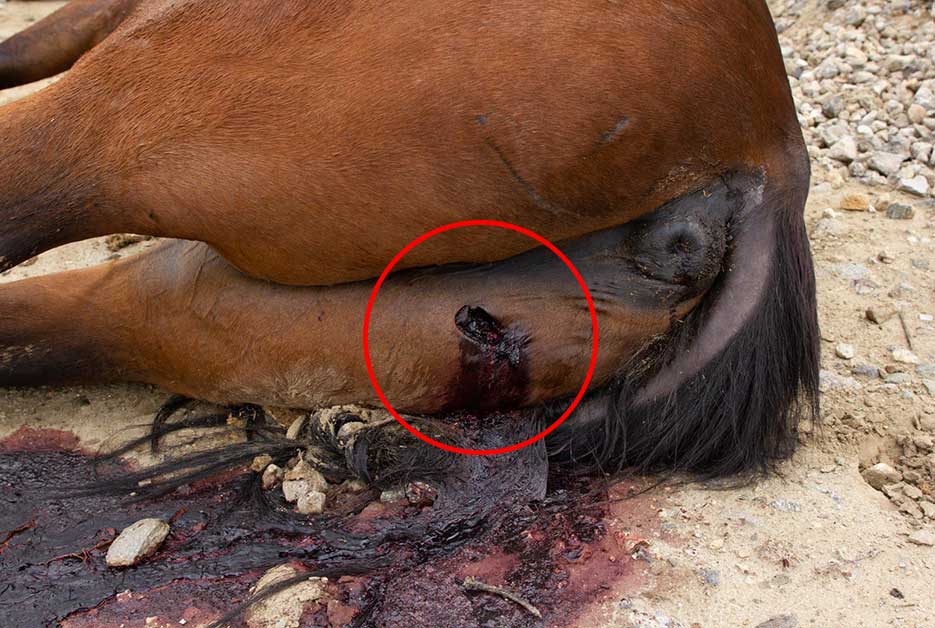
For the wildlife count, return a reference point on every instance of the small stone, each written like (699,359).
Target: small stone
(786,505)
(421,494)
(304,471)
(136,542)
(929,386)
(886,257)
(905,356)
(912,492)
(711,577)
(393,495)
(295,430)
(879,314)
(916,113)
(829,380)
(854,203)
(922,537)
(285,608)
(866,370)
(844,150)
(845,351)
(292,490)
(311,503)
(898,378)
(917,185)
(260,463)
(928,509)
(781,621)
(272,476)
(886,163)
(899,211)
(880,475)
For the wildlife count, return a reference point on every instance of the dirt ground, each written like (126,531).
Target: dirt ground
(815,545)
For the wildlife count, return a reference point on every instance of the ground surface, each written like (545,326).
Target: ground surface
(815,545)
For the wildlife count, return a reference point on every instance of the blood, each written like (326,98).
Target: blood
(493,520)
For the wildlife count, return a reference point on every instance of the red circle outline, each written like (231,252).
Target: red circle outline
(594,344)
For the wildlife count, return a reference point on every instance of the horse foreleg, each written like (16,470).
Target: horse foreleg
(55,43)
(503,335)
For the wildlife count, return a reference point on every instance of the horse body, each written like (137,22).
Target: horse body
(304,144)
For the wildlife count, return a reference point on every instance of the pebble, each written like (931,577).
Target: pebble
(711,577)
(880,475)
(917,185)
(136,542)
(311,503)
(879,314)
(886,163)
(272,476)
(303,471)
(829,380)
(295,430)
(899,211)
(898,378)
(905,356)
(845,351)
(285,608)
(781,621)
(261,462)
(922,537)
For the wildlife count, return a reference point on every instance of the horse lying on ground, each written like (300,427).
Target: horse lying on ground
(291,149)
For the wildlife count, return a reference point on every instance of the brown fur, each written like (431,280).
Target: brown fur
(305,143)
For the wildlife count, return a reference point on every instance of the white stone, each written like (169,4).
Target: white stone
(845,351)
(311,503)
(284,609)
(917,185)
(905,356)
(880,475)
(136,542)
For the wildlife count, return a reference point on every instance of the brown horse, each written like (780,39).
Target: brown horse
(298,146)
(291,149)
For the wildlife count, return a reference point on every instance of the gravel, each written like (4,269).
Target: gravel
(864,85)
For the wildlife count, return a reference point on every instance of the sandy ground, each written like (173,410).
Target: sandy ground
(814,545)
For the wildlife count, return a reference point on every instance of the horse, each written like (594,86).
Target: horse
(287,151)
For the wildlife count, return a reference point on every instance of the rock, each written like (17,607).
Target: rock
(899,211)
(845,351)
(886,163)
(829,380)
(305,472)
(880,475)
(292,490)
(311,503)
(781,621)
(916,113)
(393,495)
(917,185)
(879,314)
(421,494)
(922,151)
(137,542)
(711,577)
(866,370)
(844,150)
(284,609)
(272,476)
(260,463)
(928,509)
(898,378)
(929,386)
(905,356)
(295,430)
(855,202)
(886,257)
(786,505)
(922,537)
